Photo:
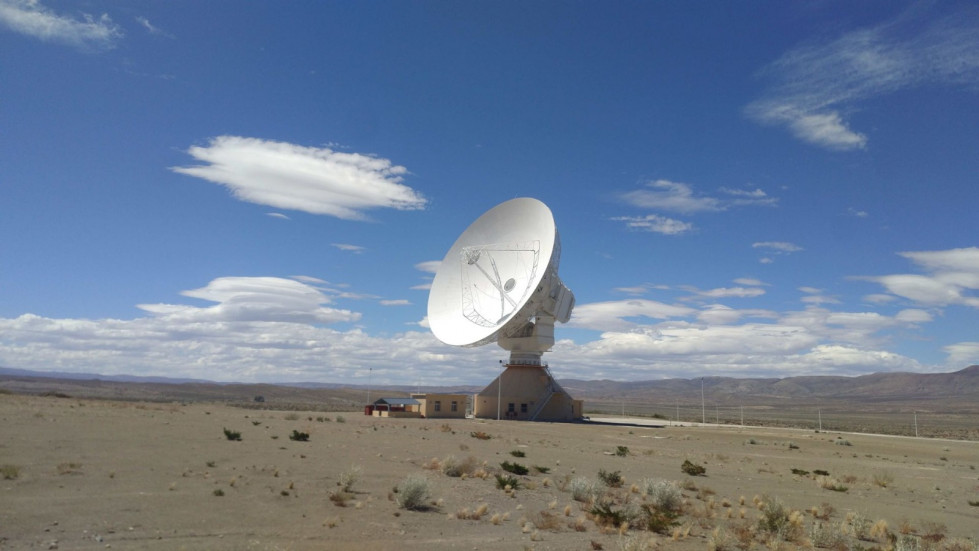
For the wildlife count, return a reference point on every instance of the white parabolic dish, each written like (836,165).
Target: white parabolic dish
(493,274)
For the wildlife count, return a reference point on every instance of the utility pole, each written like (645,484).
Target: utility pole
(369,374)
(916,424)
(499,392)
(703,406)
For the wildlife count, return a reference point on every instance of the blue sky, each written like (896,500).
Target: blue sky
(262,191)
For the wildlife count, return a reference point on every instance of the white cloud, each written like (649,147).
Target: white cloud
(395,302)
(356,249)
(750,281)
(430,266)
(612,315)
(913,315)
(254,299)
(637,290)
(962,354)
(857,213)
(278,215)
(735,292)
(656,224)
(308,179)
(879,298)
(152,29)
(30,18)
(817,82)
(777,247)
(672,196)
(953,278)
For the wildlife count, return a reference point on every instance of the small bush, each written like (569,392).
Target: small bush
(256,423)
(800,472)
(413,492)
(611,479)
(793,446)
(545,520)
(504,481)
(842,442)
(348,478)
(659,520)
(341,419)
(480,435)
(883,479)
(518,453)
(622,451)
(820,472)
(218,492)
(583,489)
(10,472)
(232,435)
(515,468)
(606,515)
(693,469)
(665,495)
(299,436)
(452,467)
(292,417)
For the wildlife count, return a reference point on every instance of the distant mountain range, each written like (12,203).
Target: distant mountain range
(960,387)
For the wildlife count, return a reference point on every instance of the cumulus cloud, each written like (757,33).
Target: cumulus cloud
(151,28)
(30,18)
(656,224)
(952,278)
(308,179)
(815,85)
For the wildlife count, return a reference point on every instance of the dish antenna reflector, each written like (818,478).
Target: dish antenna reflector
(499,282)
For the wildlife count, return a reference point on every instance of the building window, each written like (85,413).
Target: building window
(455,405)
(523,408)
(511,407)
(438,405)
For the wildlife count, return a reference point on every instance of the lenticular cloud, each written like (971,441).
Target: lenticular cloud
(309,179)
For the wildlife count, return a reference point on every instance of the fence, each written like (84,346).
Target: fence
(928,423)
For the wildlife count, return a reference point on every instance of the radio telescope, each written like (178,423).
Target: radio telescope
(499,282)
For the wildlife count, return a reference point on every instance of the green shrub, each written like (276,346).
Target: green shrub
(232,435)
(218,492)
(518,453)
(611,479)
(542,470)
(299,436)
(693,469)
(606,515)
(413,492)
(480,435)
(515,468)
(503,481)
(9,472)
(622,451)
(341,419)
(659,520)
(800,472)
(820,472)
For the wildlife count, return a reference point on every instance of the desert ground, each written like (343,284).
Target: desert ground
(98,474)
